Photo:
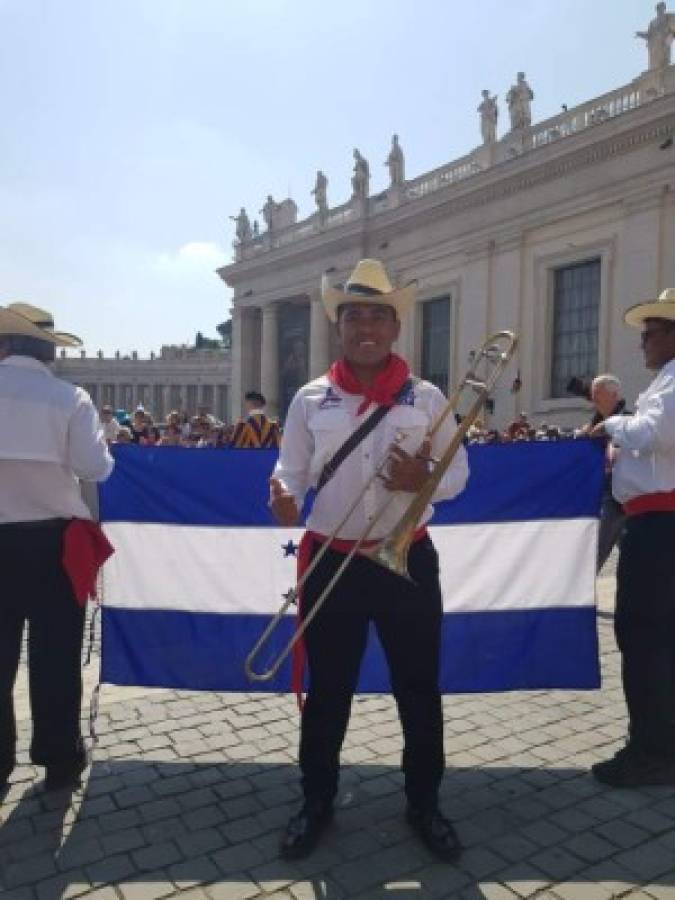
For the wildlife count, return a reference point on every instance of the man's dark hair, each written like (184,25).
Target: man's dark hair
(255,397)
(666,324)
(580,387)
(23,345)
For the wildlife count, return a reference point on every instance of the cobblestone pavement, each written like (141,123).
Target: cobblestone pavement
(187,793)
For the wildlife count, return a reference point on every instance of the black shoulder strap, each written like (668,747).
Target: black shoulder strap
(357,436)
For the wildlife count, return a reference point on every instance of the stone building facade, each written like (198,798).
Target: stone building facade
(182,378)
(551,230)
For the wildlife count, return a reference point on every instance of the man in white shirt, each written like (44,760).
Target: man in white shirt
(643,480)
(51,437)
(407,614)
(608,401)
(110,425)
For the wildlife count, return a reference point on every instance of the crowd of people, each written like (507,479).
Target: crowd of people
(520,429)
(254,430)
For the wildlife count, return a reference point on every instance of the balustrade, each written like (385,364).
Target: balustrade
(570,122)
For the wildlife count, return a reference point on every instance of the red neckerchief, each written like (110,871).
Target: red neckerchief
(388,382)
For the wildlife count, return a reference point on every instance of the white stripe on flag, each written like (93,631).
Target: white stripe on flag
(484,567)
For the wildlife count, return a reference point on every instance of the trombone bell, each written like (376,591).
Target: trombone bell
(389,554)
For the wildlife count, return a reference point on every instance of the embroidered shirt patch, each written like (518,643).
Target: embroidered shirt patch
(329,399)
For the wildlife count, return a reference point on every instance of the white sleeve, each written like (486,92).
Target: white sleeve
(88,454)
(653,428)
(295,453)
(457,474)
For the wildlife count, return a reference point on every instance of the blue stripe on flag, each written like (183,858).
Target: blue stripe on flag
(508,482)
(163,484)
(488,651)
(528,481)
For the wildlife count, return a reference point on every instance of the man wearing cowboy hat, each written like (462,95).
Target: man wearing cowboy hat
(643,480)
(407,614)
(51,436)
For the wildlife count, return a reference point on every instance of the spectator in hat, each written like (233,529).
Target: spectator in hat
(643,481)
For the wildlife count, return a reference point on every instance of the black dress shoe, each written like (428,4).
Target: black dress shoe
(304,830)
(436,833)
(64,775)
(629,768)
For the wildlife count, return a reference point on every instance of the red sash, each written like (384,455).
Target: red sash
(662,501)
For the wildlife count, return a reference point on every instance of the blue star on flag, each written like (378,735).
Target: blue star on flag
(290,549)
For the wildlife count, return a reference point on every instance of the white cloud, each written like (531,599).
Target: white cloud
(191,258)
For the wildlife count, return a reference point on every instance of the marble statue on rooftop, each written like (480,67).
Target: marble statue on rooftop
(396,163)
(659,36)
(361,177)
(518,99)
(256,228)
(268,211)
(320,194)
(488,118)
(243,226)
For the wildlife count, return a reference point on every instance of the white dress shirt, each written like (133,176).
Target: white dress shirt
(320,419)
(50,436)
(645,458)
(111,429)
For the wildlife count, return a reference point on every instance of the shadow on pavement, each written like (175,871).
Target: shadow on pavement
(174,826)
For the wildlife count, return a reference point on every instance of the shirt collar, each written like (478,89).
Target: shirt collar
(26,362)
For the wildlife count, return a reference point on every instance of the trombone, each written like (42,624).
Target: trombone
(391,552)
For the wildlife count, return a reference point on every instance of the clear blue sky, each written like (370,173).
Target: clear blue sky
(132,129)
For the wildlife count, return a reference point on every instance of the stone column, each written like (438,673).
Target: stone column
(319,338)
(506,313)
(405,345)
(236,385)
(269,358)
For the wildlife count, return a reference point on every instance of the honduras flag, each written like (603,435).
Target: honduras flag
(200,566)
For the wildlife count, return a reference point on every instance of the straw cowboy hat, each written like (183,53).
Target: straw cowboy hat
(663,308)
(30,321)
(368,283)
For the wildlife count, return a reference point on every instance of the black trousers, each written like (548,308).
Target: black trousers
(407,617)
(645,630)
(35,590)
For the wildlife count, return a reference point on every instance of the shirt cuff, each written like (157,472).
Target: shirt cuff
(612,425)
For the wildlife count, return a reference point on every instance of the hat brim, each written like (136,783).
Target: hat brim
(15,323)
(637,314)
(333,298)
(63,339)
